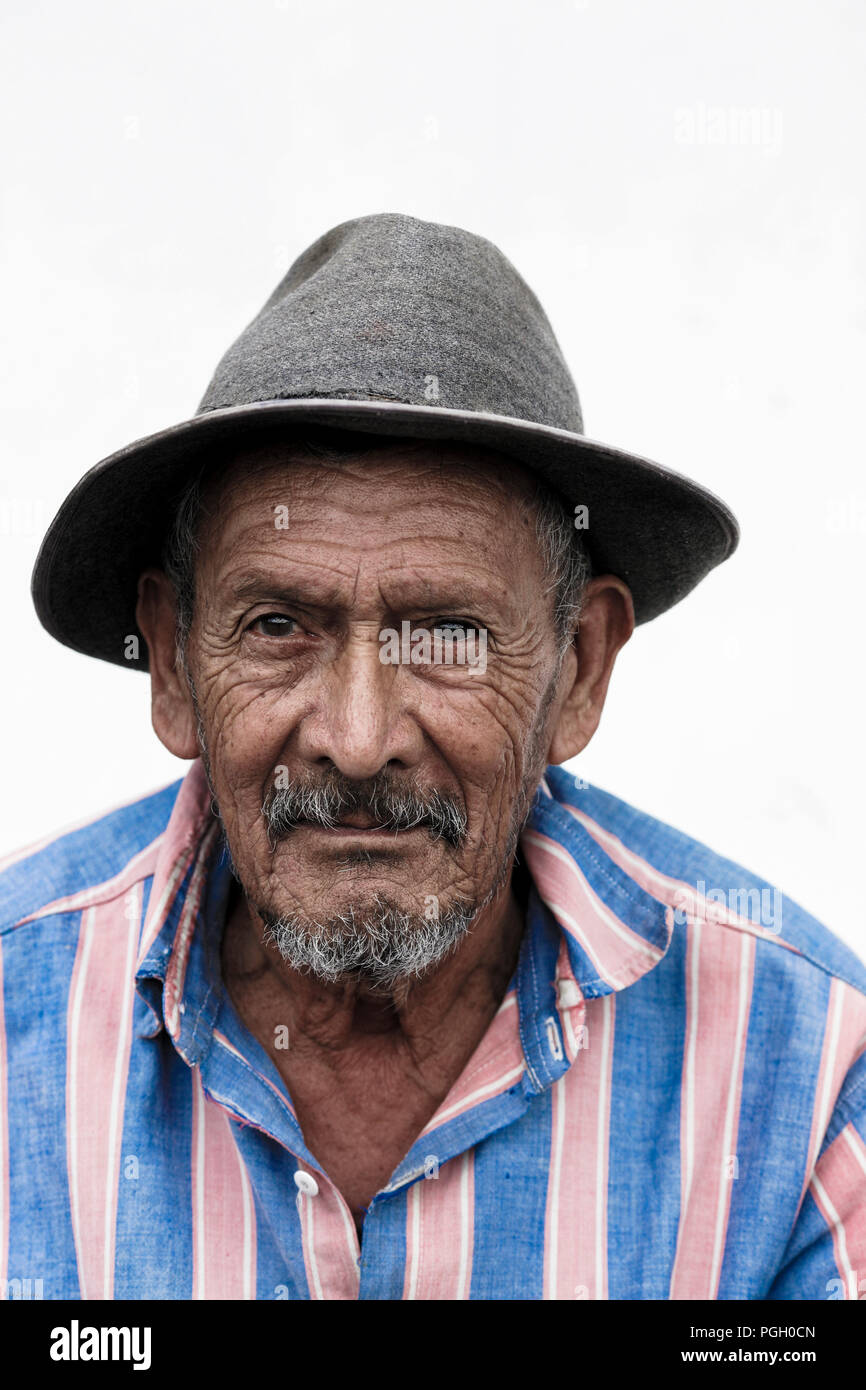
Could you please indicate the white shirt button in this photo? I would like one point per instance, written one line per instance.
(568, 992)
(305, 1182)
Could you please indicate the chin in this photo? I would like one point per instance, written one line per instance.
(360, 903)
(382, 952)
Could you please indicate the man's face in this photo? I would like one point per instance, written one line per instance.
(301, 568)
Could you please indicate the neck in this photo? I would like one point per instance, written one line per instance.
(455, 1001)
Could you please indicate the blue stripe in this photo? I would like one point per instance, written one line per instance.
(37, 970)
(154, 1208)
(383, 1249)
(783, 1057)
(280, 1270)
(644, 1159)
(801, 1275)
(511, 1178)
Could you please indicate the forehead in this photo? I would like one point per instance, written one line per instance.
(441, 494)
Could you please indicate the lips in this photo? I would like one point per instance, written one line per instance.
(357, 825)
(350, 828)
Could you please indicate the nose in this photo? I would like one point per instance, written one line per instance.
(361, 720)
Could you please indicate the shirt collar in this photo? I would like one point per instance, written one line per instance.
(177, 972)
(614, 930)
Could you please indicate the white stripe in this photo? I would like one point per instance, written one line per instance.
(847, 1271)
(72, 1098)
(570, 1036)
(508, 1002)
(739, 1046)
(473, 1096)
(415, 1230)
(349, 1231)
(307, 1200)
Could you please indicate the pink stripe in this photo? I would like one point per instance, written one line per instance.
(223, 1211)
(330, 1242)
(180, 843)
(4, 1139)
(440, 1229)
(575, 1247)
(673, 892)
(619, 954)
(99, 1037)
(496, 1064)
(844, 1028)
(720, 976)
(141, 866)
(839, 1188)
(176, 974)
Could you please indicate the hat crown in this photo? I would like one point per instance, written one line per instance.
(388, 307)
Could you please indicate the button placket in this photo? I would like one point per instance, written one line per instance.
(331, 1249)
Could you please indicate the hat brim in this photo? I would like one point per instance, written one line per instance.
(658, 531)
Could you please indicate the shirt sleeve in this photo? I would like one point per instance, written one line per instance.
(826, 1255)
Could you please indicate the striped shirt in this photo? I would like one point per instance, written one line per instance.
(670, 1102)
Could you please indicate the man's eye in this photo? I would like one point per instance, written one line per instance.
(274, 625)
(453, 629)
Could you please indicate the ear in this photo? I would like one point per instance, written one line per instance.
(606, 624)
(171, 708)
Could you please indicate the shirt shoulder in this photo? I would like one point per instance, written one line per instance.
(78, 860)
(684, 865)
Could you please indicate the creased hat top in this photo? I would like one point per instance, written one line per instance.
(388, 307)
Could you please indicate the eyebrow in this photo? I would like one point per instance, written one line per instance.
(255, 584)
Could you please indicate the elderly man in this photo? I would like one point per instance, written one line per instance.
(379, 1002)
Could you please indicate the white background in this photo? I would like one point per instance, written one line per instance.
(165, 162)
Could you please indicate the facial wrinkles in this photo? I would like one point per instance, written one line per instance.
(474, 728)
(505, 697)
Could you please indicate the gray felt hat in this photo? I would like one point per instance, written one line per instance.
(392, 326)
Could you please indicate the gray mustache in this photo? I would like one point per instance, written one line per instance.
(388, 805)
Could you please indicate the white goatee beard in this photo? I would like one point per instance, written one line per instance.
(380, 945)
